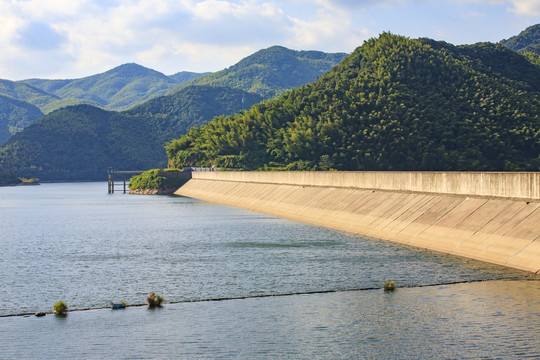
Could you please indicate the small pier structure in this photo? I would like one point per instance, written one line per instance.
(111, 173)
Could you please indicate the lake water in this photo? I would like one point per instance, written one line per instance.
(76, 243)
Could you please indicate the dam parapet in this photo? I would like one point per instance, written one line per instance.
(519, 185)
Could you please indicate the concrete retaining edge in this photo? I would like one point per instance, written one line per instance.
(492, 217)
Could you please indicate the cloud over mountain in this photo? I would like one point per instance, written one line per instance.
(68, 39)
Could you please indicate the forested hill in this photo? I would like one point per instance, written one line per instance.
(26, 92)
(270, 72)
(185, 76)
(191, 106)
(527, 41)
(8, 178)
(81, 142)
(115, 89)
(15, 115)
(394, 104)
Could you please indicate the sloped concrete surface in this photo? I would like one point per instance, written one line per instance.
(499, 229)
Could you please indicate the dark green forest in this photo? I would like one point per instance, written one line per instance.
(394, 104)
(15, 115)
(272, 71)
(8, 178)
(81, 142)
(527, 41)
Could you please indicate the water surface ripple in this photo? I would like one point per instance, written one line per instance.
(74, 242)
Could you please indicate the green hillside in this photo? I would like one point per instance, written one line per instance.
(27, 93)
(533, 58)
(62, 103)
(15, 115)
(131, 84)
(185, 76)
(8, 178)
(116, 89)
(394, 104)
(270, 72)
(191, 106)
(81, 142)
(49, 86)
(527, 41)
(120, 87)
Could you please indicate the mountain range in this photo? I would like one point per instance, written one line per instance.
(135, 137)
(116, 89)
(130, 84)
(80, 142)
(43, 149)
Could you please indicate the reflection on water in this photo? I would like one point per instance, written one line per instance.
(489, 320)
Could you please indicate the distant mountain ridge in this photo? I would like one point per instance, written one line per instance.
(26, 92)
(526, 41)
(15, 115)
(184, 76)
(270, 72)
(81, 142)
(115, 89)
(274, 70)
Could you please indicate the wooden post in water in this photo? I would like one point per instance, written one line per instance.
(110, 174)
(124, 183)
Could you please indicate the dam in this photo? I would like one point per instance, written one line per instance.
(487, 216)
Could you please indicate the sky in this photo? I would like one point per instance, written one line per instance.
(67, 39)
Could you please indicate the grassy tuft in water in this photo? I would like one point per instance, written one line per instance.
(60, 308)
(389, 285)
(154, 300)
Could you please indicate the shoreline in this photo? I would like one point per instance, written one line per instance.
(20, 184)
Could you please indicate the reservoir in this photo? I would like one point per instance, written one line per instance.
(295, 290)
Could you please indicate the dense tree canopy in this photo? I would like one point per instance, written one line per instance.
(15, 115)
(394, 104)
(270, 72)
(8, 178)
(81, 142)
(527, 41)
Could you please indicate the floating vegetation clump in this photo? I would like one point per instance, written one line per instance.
(389, 285)
(60, 308)
(154, 300)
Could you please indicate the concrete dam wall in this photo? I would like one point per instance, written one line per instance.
(492, 217)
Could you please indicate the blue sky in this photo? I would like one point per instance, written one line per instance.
(76, 38)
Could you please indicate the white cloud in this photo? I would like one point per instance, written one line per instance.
(72, 38)
(323, 31)
(519, 7)
(526, 7)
